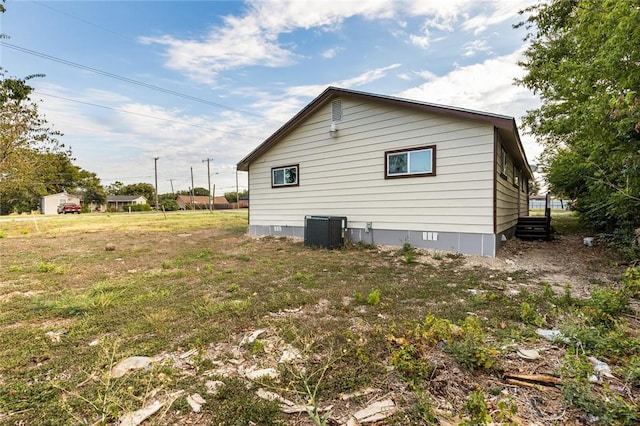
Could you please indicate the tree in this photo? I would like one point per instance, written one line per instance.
(145, 189)
(26, 141)
(232, 197)
(583, 61)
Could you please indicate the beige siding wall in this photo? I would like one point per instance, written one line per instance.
(345, 175)
(508, 194)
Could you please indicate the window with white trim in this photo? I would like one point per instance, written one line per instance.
(411, 162)
(284, 176)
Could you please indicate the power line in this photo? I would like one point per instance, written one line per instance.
(148, 116)
(84, 20)
(93, 24)
(125, 79)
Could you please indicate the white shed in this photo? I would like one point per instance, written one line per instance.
(399, 170)
(49, 203)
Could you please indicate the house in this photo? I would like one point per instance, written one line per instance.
(400, 171)
(120, 203)
(243, 202)
(49, 203)
(201, 202)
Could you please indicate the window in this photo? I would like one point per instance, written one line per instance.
(410, 162)
(284, 176)
(503, 162)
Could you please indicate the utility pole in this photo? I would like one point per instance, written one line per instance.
(208, 160)
(237, 196)
(193, 207)
(155, 164)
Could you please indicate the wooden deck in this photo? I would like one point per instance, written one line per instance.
(536, 227)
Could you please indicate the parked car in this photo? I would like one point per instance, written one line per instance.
(69, 208)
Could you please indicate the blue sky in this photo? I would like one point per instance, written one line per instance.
(187, 81)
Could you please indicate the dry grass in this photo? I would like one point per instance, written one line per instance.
(185, 289)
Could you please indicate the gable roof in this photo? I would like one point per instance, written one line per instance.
(124, 198)
(506, 125)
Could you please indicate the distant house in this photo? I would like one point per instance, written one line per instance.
(243, 202)
(49, 203)
(201, 202)
(400, 171)
(119, 203)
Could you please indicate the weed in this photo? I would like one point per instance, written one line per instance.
(15, 268)
(408, 252)
(408, 360)
(243, 257)
(529, 315)
(48, 267)
(374, 297)
(632, 372)
(472, 349)
(477, 409)
(437, 255)
(299, 276)
(631, 280)
(233, 288)
(608, 407)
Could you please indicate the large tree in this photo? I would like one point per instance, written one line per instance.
(583, 60)
(27, 142)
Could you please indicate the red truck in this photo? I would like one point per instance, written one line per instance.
(69, 208)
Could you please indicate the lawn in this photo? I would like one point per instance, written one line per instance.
(237, 330)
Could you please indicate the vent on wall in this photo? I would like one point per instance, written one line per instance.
(336, 110)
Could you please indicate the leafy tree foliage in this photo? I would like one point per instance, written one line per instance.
(27, 146)
(196, 191)
(145, 189)
(168, 202)
(583, 61)
(232, 197)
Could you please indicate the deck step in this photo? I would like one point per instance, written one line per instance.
(534, 227)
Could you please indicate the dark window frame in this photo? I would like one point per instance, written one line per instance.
(285, 185)
(504, 163)
(408, 174)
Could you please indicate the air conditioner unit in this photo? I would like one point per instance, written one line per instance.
(324, 231)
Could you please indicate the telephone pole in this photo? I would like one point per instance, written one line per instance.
(193, 207)
(208, 160)
(155, 166)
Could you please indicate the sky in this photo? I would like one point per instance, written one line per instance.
(194, 86)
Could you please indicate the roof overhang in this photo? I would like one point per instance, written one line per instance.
(506, 125)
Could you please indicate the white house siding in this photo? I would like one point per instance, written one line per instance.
(507, 196)
(49, 203)
(344, 176)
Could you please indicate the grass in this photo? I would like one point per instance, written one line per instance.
(194, 281)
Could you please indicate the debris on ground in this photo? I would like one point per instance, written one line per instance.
(196, 402)
(55, 336)
(137, 417)
(375, 412)
(130, 364)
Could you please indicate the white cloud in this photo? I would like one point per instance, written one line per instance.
(486, 86)
(254, 37)
(476, 46)
(504, 10)
(420, 41)
(330, 53)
